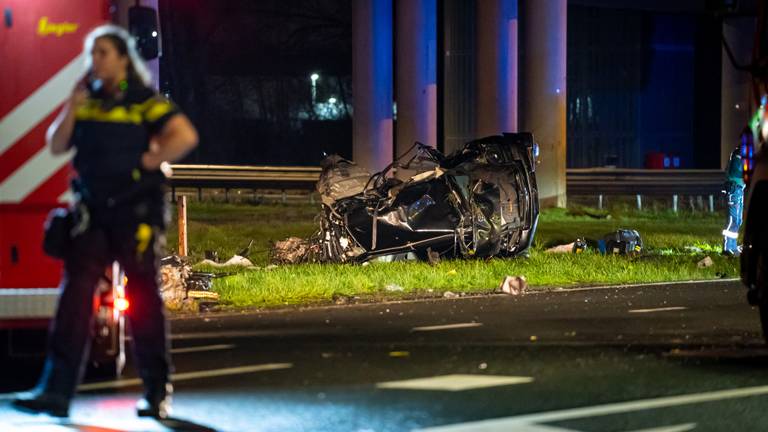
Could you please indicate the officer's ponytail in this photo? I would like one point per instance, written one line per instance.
(126, 46)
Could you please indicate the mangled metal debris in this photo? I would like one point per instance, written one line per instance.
(481, 201)
(619, 242)
(183, 289)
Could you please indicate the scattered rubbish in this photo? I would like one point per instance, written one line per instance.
(576, 247)
(579, 246)
(565, 248)
(394, 288)
(513, 285)
(483, 366)
(399, 354)
(534, 338)
(481, 201)
(183, 289)
(293, 250)
(247, 251)
(452, 272)
(211, 255)
(706, 262)
(342, 299)
(270, 267)
(621, 242)
(236, 260)
(449, 294)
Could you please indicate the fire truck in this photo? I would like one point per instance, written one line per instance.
(41, 58)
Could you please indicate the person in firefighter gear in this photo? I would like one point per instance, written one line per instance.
(123, 133)
(734, 190)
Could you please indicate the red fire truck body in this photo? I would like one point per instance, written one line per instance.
(41, 58)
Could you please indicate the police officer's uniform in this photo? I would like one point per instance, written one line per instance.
(126, 222)
(734, 189)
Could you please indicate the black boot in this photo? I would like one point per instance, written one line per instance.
(43, 403)
(156, 402)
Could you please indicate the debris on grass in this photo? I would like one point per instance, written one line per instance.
(394, 288)
(183, 289)
(450, 294)
(513, 285)
(564, 248)
(235, 261)
(706, 262)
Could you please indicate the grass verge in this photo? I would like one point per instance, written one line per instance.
(674, 245)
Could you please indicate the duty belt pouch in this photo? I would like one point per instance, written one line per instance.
(58, 232)
(62, 226)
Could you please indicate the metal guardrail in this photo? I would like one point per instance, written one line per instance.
(612, 181)
(581, 181)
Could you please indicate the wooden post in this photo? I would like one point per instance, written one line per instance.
(182, 206)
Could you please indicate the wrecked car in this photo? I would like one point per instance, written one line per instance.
(481, 201)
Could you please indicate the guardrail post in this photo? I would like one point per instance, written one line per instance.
(700, 202)
(674, 203)
(182, 222)
(600, 201)
(639, 202)
(284, 197)
(711, 203)
(200, 194)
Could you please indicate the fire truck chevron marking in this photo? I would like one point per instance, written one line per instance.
(31, 175)
(40, 104)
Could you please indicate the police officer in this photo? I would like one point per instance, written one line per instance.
(734, 189)
(123, 132)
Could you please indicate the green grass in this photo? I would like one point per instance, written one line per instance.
(228, 228)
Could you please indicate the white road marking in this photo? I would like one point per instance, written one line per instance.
(455, 382)
(508, 423)
(233, 334)
(664, 309)
(202, 348)
(677, 428)
(446, 327)
(640, 285)
(188, 376)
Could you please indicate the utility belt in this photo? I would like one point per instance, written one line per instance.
(63, 225)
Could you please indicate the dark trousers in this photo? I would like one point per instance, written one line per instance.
(735, 214)
(135, 242)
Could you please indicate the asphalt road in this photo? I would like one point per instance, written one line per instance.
(664, 358)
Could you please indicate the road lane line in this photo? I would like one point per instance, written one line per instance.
(664, 309)
(446, 327)
(453, 383)
(202, 348)
(188, 376)
(507, 423)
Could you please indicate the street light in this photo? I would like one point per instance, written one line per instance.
(314, 77)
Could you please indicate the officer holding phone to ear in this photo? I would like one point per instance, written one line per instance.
(123, 132)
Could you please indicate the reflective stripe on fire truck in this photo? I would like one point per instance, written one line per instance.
(22, 119)
(22, 303)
